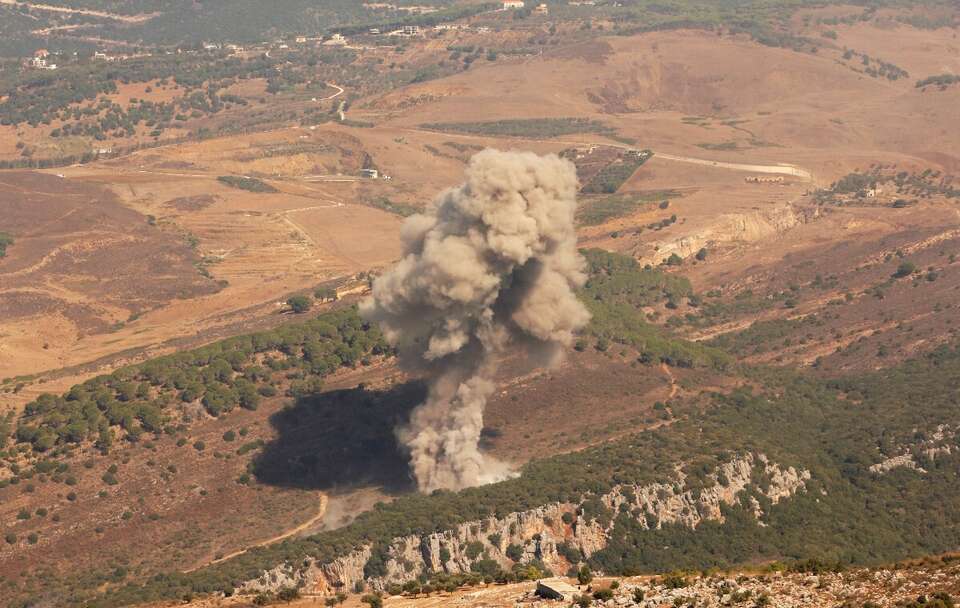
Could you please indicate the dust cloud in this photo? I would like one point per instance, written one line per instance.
(491, 264)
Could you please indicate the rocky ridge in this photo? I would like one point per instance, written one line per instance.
(546, 534)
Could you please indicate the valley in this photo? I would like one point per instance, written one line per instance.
(193, 411)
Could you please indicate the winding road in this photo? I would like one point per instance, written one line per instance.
(282, 536)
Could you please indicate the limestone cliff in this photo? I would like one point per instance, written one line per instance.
(541, 533)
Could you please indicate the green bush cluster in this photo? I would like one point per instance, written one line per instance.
(220, 377)
(253, 184)
(533, 128)
(615, 293)
(5, 241)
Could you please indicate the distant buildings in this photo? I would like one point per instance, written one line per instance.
(541, 9)
(512, 4)
(336, 40)
(406, 30)
(40, 60)
(413, 10)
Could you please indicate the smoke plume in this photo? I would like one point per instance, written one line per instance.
(492, 263)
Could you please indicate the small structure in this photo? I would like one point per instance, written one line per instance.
(40, 62)
(764, 179)
(336, 40)
(556, 589)
(541, 9)
(370, 173)
(512, 4)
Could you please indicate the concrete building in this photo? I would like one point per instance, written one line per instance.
(512, 4)
(336, 40)
(556, 589)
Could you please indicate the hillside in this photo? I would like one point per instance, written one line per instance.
(784, 467)
(197, 407)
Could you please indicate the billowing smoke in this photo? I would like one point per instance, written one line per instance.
(492, 264)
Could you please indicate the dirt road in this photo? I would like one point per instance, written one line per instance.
(783, 169)
(282, 536)
(79, 11)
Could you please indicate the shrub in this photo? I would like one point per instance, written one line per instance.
(299, 304)
(905, 269)
(584, 575)
(375, 601)
(5, 241)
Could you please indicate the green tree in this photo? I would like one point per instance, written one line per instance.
(5, 241)
(325, 294)
(584, 575)
(375, 601)
(299, 304)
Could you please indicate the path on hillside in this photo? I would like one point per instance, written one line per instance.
(282, 536)
(784, 169)
(81, 11)
(673, 381)
(335, 95)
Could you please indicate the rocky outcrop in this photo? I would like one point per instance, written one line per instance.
(549, 533)
(940, 442)
(735, 228)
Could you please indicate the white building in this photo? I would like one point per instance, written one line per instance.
(336, 40)
(512, 4)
